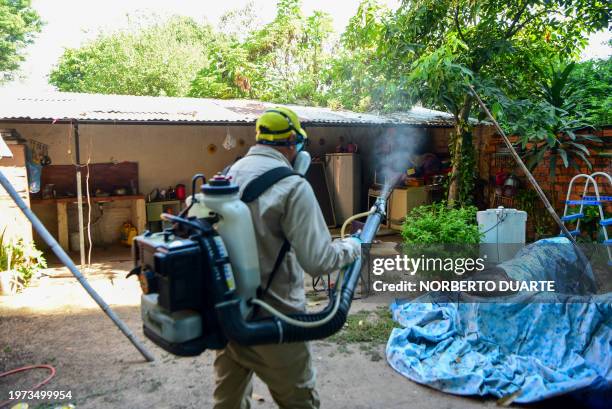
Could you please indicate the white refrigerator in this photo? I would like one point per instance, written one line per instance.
(343, 171)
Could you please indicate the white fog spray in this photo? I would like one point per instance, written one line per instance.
(395, 153)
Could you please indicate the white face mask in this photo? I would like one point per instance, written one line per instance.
(301, 163)
(299, 146)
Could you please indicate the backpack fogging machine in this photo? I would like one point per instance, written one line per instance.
(200, 278)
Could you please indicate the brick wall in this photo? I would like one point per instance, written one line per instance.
(492, 160)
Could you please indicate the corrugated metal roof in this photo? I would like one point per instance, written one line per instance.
(128, 108)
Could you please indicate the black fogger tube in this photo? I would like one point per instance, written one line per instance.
(275, 331)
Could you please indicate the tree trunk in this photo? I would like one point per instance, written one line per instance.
(457, 147)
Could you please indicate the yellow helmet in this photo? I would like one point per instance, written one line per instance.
(275, 126)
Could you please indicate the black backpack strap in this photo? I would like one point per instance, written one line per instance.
(279, 259)
(263, 182)
(251, 192)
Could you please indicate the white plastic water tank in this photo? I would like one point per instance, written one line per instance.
(235, 226)
(503, 232)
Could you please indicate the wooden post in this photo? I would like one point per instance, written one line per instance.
(62, 224)
(139, 217)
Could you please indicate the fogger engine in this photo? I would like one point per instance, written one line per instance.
(180, 279)
(186, 270)
(200, 279)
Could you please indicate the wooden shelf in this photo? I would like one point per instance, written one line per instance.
(94, 199)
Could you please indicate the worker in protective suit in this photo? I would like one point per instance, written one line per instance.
(292, 238)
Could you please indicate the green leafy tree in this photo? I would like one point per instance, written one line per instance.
(547, 121)
(280, 61)
(19, 22)
(355, 78)
(240, 23)
(435, 49)
(158, 59)
(592, 81)
(554, 119)
(229, 72)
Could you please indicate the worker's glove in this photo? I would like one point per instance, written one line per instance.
(355, 238)
(352, 245)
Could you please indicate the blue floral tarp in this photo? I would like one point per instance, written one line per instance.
(530, 349)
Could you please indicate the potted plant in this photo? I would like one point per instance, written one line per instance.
(19, 261)
(7, 275)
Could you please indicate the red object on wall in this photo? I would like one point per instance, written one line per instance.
(500, 178)
(180, 192)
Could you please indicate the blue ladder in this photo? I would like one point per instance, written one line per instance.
(589, 200)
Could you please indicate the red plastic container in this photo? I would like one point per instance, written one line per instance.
(180, 192)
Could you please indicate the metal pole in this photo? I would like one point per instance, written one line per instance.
(79, 192)
(64, 258)
(525, 170)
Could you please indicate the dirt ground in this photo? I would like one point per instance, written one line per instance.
(55, 322)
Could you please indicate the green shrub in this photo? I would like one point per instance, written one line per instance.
(22, 257)
(437, 223)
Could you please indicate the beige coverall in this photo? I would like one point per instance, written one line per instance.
(288, 209)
